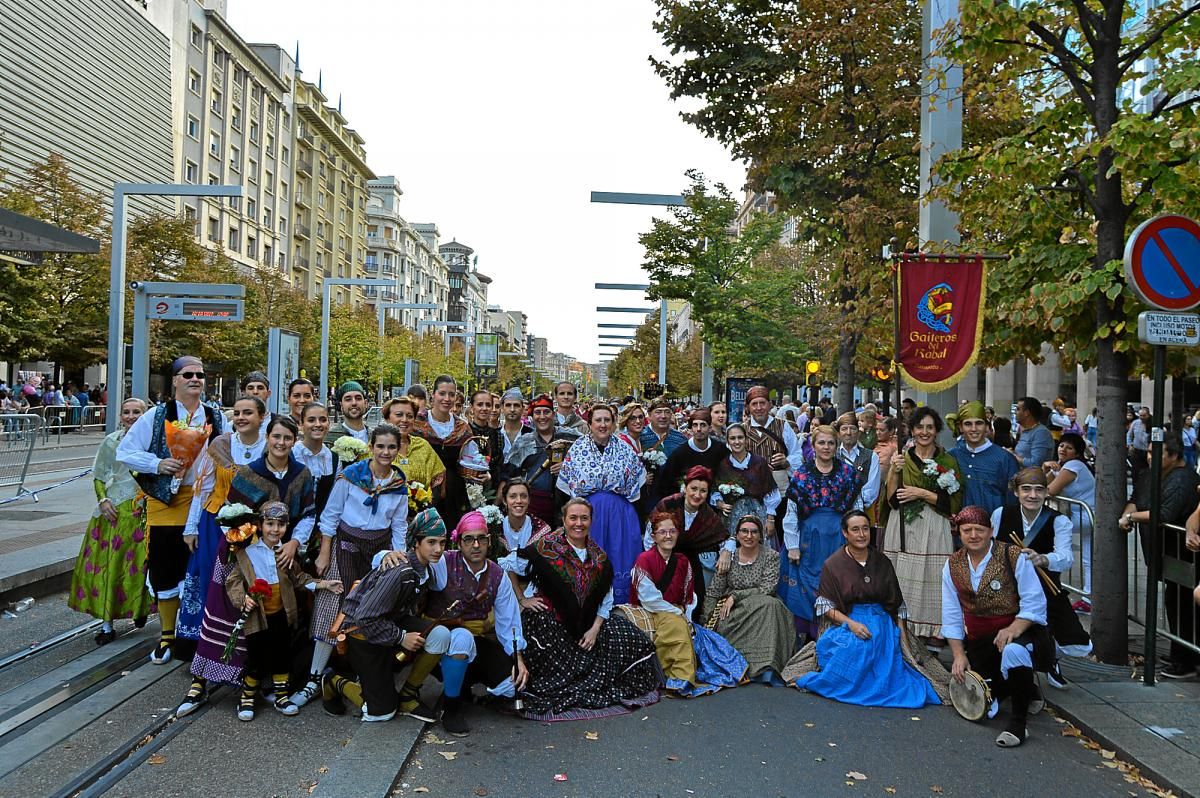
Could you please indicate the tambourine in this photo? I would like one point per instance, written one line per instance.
(972, 698)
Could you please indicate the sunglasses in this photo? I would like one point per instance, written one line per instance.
(637, 418)
(191, 375)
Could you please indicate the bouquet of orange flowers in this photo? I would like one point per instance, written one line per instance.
(239, 523)
(185, 443)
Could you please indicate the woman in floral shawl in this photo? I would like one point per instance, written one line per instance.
(820, 491)
(584, 660)
(923, 491)
(610, 475)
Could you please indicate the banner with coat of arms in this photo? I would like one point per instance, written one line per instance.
(940, 317)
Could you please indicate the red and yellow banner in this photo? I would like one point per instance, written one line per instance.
(940, 318)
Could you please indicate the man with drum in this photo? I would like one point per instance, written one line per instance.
(994, 617)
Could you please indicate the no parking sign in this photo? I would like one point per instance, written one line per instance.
(1162, 262)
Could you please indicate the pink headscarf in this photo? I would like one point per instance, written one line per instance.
(469, 521)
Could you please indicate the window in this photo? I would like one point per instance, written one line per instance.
(193, 128)
(251, 208)
(283, 227)
(213, 180)
(267, 254)
(214, 144)
(214, 229)
(285, 156)
(235, 239)
(218, 58)
(235, 118)
(270, 180)
(270, 144)
(197, 37)
(189, 213)
(216, 101)
(239, 75)
(283, 190)
(254, 132)
(253, 170)
(267, 219)
(286, 121)
(193, 81)
(190, 171)
(235, 158)
(342, 215)
(251, 247)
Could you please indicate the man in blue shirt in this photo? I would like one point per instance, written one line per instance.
(986, 468)
(1035, 444)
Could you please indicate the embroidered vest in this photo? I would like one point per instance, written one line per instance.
(476, 600)
(997, 601)
(762, 444)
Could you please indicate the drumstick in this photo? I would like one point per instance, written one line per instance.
(1053, 588)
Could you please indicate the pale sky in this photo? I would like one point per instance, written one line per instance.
(499, 118)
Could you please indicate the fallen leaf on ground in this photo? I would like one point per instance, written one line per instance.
(322, 769)
(935, 788)
(915, 717)
(591, 735)
(833, 745)
(851, 783)
(854, 774)
(672, 758)
(1108, 754)
(433, 739)
(420, 789)
(809, 725)
(480, 791)
(448, 754)
(890, 790)
(157, 759)
(820, 759)
(1070, 731)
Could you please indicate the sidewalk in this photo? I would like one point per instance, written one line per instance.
(1155, 728)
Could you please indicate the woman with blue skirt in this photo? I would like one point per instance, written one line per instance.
(820, 491)
(609, 474)
(859, 654)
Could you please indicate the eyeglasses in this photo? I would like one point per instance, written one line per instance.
(473, 540)
(638, 417)
(668, 532)
(192, 375)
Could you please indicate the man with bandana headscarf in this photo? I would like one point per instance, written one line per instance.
(986, 468)
(354, 405)
(145, 451)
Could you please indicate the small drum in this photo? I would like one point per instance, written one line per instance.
(972, 698)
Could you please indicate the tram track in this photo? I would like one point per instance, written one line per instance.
(44, 646)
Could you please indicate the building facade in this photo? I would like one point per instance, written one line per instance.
(467, 297)
(108, 114)
(329, 199)
(396, 251)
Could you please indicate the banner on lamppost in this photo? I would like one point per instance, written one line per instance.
(940, 317)
(487, 349)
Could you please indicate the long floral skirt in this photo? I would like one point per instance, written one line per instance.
(566, 682)
(109, 581)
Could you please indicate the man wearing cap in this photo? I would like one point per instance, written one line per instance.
(537, 457)
(512, 406)
(354, 404)
(167, 482)
(986, 468)
(659, 434)
(771, 438)
(383, 612)
(699, 450)
(861, 459)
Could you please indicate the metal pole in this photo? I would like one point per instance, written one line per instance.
(324, 343)
(662, 341)
(379, 311)
(1154, 561)
(140, 386)
(116, 314)
(706, 375)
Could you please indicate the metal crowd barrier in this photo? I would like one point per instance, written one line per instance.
(19, 436)
(1176, 614)
(1078, 579)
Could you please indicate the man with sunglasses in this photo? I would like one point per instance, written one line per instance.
(167, 482)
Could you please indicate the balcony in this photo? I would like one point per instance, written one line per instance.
(299, 262)
(301, 200)
(301, 230)
(327, 244)
(304, 166)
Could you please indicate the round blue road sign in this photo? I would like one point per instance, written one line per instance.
(1162, 262)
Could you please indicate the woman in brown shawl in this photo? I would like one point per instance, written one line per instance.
(750, 473)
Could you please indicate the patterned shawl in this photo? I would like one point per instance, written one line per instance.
(756, 478)
(587, 470)
(810, 489)
(458, 436)
(574, 588)
(359, 475)
(255, 484)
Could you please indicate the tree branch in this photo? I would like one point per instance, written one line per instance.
(1154, 37)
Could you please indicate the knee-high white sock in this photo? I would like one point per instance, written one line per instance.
(320, 658)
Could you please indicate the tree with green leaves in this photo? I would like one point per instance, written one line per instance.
(1105, 135)
(742, 309)
(821, 98)
(638, 363)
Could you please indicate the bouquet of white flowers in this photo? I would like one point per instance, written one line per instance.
(350, 449)
(943, 476)
(491, 513)
(654, 458)
(730, 493)
(475, 495)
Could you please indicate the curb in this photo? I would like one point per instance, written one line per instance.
(1105, 740)
(366, 766)
(44, 580)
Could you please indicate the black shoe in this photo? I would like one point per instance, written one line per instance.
(419, 710)
(103, 638)
(454, 718)
(331, 700)
(1178, 670)
(1056, 678)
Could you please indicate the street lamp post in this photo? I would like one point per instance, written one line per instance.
(116, 280)
(380, 312)
(328, 282)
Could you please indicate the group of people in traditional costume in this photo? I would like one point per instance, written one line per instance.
(622, 558)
